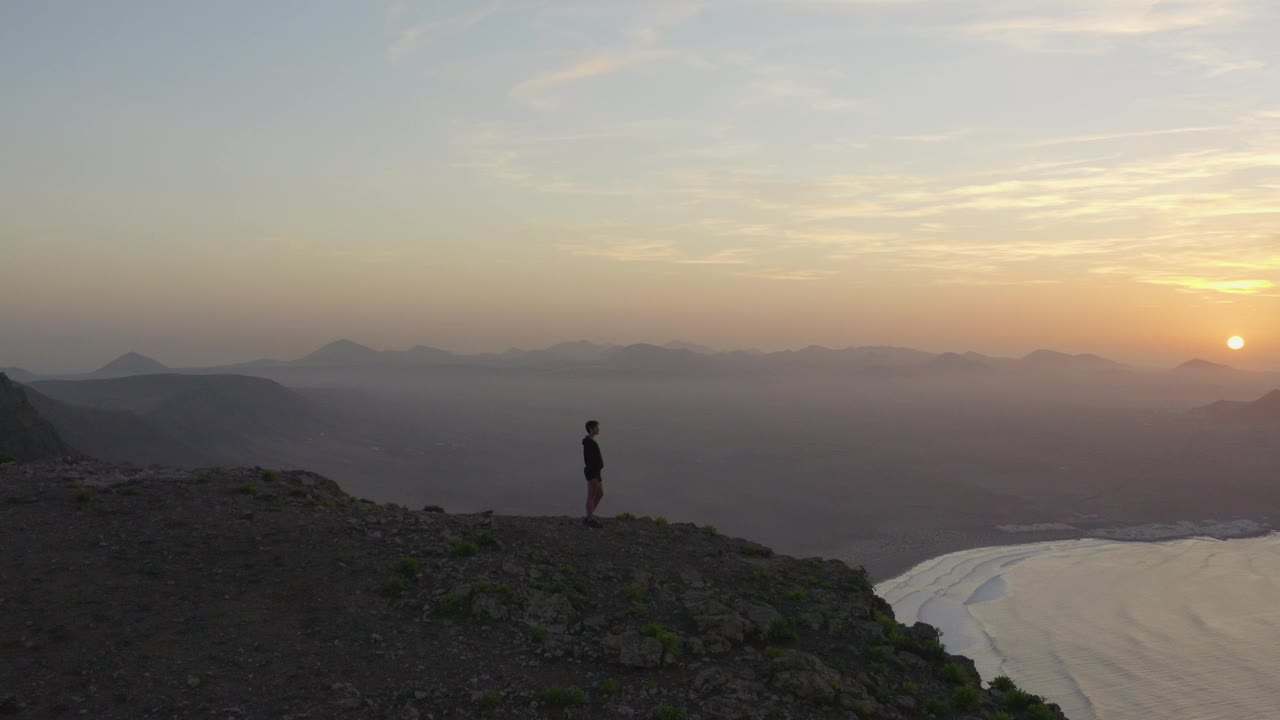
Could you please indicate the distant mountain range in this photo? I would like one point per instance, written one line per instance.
(674, 357)
(1265, 409)
(172, 419)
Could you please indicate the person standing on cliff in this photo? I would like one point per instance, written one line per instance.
(594, 466)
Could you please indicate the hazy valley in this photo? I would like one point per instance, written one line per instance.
(888, 455)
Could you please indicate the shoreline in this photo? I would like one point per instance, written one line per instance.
(888, 556)
(1018, 610)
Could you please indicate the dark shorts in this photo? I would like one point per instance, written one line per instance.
(592, 474)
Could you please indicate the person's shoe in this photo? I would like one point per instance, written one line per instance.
(586, 521)
(592, 522)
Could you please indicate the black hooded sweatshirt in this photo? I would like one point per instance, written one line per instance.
(591, 456)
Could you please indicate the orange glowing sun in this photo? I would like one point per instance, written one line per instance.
(1235, 342)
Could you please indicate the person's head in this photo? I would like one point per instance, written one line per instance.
(593, 427)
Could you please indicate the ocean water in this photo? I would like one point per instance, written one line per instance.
(1183, 629)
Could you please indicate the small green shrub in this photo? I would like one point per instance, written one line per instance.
(432, 509)
(460, 548)
(1003, 683)
(610, 686)
(753, 550)
(660, 521)
(878, 652)
(775, 652)
(784, 630)
(760, 576)
(864, 708)
(248, 489)
(1039, 712)
(450, 604)
(638, 611)
(568, 569)
(539, 634)
(484, 586)
(966, 698)
(637, 593)
(560, 696)
(669, 712)
(1020, 699)
(711, 530)
(204, 479)
(408, 566)
(934, 706)
(954, 673)
(795, 595)
(670, 641)
(1002, 715)
(270, 476)
(487, 539)
(490, 699)
(131, 490)
(7, 459)
(626, 516)
(910, 688)
(395, 586)
(297, 492)
(82, 497)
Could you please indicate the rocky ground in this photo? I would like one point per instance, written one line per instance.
(246, 593)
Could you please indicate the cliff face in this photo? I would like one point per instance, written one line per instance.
(252, 594)
(24, 435)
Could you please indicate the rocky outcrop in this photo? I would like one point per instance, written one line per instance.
(246, 593)
(24, 435)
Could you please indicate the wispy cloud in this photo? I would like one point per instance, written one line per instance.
(640, 29)
(410, 39)
(1082, 26)
(536, 90)
(1106, 137)
(787, 275)
(655, 251)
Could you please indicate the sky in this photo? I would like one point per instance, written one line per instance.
(215, 182)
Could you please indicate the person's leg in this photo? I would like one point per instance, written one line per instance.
(599, 496)
(594, 493)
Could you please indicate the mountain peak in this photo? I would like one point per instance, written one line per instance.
(132, 363)
(1200, 365)
(341, 352)
(1054, 359)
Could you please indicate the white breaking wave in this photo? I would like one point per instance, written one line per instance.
(1186, 629)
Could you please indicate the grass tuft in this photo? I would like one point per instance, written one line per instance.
(408, 566)
(670, 641)
(784, 630)
(966, 698)
(560, 696)
(490, 699)
(460, 548)
(395, 586)
(450, 604)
